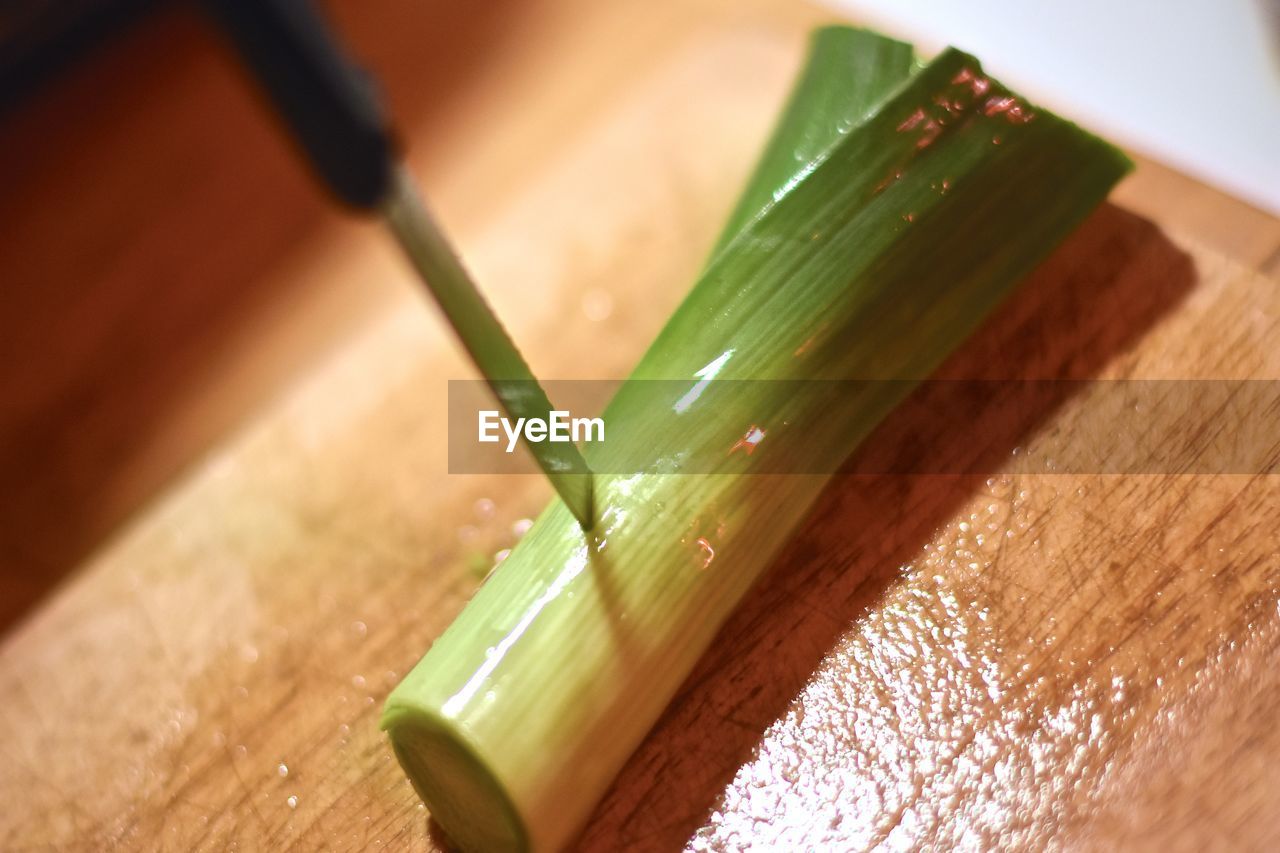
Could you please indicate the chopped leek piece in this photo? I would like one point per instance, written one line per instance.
(883, 253)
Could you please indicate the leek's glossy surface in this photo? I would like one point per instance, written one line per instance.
(847, 73)
(874, 260)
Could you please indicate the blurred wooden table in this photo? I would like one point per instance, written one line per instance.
(211, 676)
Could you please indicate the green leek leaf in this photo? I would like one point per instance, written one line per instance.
(848, 72)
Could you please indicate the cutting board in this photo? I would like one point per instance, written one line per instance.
(997, 658)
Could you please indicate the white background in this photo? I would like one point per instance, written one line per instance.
(1193, 83)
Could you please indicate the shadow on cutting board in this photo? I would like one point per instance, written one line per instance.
(1080, 310)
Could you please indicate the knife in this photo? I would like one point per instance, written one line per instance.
(331, 108)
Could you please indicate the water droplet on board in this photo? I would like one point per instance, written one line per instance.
(597, 305)
(359, 628)
(292, 801)
(357, 681)
(283, 770)
(484, 508)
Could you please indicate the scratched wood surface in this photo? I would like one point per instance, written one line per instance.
(1096, 669)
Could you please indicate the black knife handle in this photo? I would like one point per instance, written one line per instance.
(328, 102)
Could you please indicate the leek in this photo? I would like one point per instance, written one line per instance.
(847, 73)
(873, 260)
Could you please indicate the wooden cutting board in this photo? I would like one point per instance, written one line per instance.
(1096, 668)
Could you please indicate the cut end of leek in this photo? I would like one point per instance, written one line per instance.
(463, 793)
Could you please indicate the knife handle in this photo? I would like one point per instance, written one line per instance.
(328, 103)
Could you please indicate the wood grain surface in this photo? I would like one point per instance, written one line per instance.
(1003, 658)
